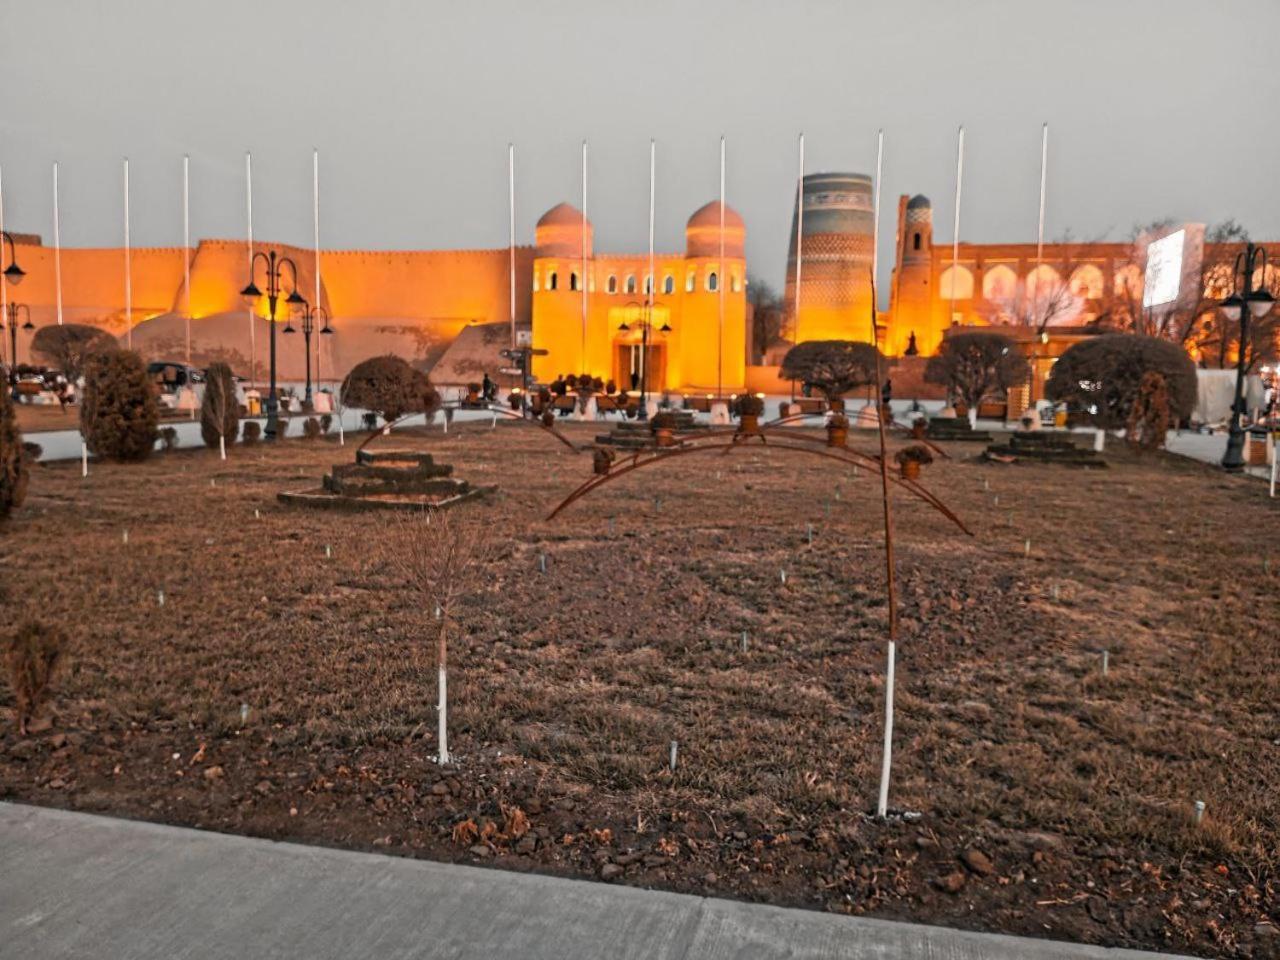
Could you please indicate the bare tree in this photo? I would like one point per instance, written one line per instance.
(1038, 303)
(69, 346)
(443, 559)
(768, 316)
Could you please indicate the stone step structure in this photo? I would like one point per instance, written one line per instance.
(955, 428)
(1044, 446)
(637, 434)
(388, 479)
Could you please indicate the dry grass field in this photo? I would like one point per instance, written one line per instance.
(283, 693)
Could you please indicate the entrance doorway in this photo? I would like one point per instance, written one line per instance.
(628, 364)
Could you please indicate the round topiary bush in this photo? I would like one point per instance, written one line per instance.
(119, 413)
(389, 387)
(219, 410)
(13, 459)
(1101, 378)
(252, 432)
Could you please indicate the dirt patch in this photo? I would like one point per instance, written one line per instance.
(284, 693)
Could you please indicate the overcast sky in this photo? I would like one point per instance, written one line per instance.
(1156, 108)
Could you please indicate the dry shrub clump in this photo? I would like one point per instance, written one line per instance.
(32, 659)
(443, 559)
(219, 410)
(13, 459)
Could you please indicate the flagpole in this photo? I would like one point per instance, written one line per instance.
(511, 234)
(582, 273)
(4, 297)
(799, 238)
(315, 231)
(721, 285)
(128, 265)
(57, 245)
(1044, 175)
(646, 330)
(955, 231)
(891, 653)
(186, 247)
(253, 335)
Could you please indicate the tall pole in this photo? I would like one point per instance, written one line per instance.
(4, 294)
(795, 333)
(875, 221)
(186, 248)
(128, 265)
(721, 285)
(57, 245)
(648, 318)
(315, 235)
(253, 335)
(582, 271)
(1233, 459)
(955, 229)
(1040, 228)
(511, 234)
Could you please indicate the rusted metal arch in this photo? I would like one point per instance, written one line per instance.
(639, 460)
(512, 415)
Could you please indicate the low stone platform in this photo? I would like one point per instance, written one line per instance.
(388, 480)
(955, 428)
(1043, 446)
(637, 434)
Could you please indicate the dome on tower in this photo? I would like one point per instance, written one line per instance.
(918, 202)
(559, 232)
(702, 233)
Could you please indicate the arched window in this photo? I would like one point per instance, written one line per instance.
(551, 280)
(1043, 281)
(535, 281)
(1128, 281)
(999, 284)
(962, 279)
(573, 281)
(690, 282)
(915, 241)
(735, 283)
(648, 283)
(668, 284)
(713, 281)
(1086, 282)
(631, 283)
(611, 284)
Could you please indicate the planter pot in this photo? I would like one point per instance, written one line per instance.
(665, 437)
(749, 423)
(910, 470)
(601, 466)
(837, 436)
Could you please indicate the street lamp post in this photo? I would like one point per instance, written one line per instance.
(12, 310)
(646, 323)
(275, 265)
(307, 316)
(1248, 304)
(13, 273)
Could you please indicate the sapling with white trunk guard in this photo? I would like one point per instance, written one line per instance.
(443, 559)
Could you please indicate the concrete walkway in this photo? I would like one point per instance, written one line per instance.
(79, 886)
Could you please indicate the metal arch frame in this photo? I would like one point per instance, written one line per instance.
(839, 454)
(497, 410)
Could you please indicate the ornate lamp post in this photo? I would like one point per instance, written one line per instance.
(646, 324)
(13, 274)
(274, 264)
(307, 316)
(11, 318)
(1248, 304)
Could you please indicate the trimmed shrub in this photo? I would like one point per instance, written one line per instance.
(169, 437)
(13, 458)
(326, 423)
(389, 387)
(749, 405)
(70, 346)
(1101, 378)
(252, 432)
(977, 365)
(32, 659)
(119, 413)
(832, 366)
(219, 410)
(311, 429)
